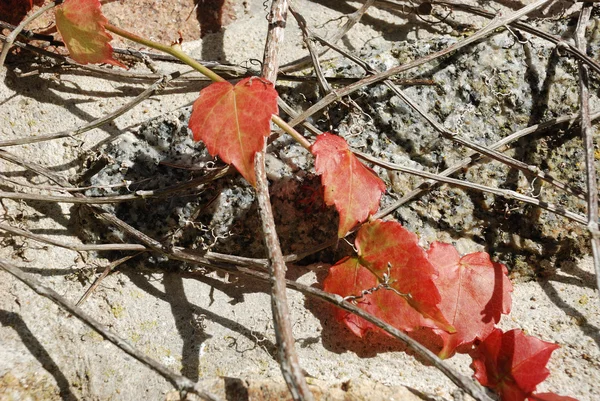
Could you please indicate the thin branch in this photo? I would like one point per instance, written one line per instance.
(107, 270)
(506, 193)
(184, 255)
(73, 247)
(588, 139)
(57, 178)
(137, 195)
(473, 156)
(557, 40)
(13, 35)
(288, 358)
(529, 169)
(308, 40)
(370, 80)
(151, 90)
(492, 154)
(15, 183)
(353, 19)
(182, 383)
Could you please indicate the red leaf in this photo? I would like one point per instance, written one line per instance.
(14, 11)
(511, 363)
(549, 397)
(81, 25)
(475, 292)
(349, 278)
(233, 121)
(353, 188)
(389, 257)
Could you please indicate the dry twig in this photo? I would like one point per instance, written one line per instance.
(588, 140)
(183, 384)
(288, 358)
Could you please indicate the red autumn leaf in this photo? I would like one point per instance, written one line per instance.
(549, 397)
(349, 278)
(475, 292)
(233, 121)
(511, 363)
(81, 25)
(390, 260)
(14, 11)
(353, 188)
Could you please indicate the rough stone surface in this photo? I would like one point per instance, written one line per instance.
(211, 326)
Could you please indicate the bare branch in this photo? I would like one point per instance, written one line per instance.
(588, 139)
(506, 193)
(288, 358)
(73, 247)
(370, 80)
(151, 90)
(182, 383)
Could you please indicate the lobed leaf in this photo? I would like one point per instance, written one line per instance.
(349, 278)
(512, 363)
(233, 121)
(350, 186)
(389, 259)
(475, 292)
(81, 25)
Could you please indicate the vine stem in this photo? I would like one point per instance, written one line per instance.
(588, 140)
(182, 56)
(172, 50)
(288, 358)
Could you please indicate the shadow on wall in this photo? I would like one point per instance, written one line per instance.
(13, 320)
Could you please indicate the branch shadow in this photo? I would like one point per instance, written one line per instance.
(184, 313)
(586, 328)
(13, 320)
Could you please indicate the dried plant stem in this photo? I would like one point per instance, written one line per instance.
(370, 80)
(353, 19)
(314, 57)
(8, 42)
(557, 40)
(137, 195)
(182, 383)
(506, 193)
(151, 90)
(473, 156)
(73, 247)
(470, 386)
(112, 266)
(492, 154)
(287, 356)
(588, 140)
(529, 169)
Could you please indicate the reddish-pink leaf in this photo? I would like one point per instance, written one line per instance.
(13, 11)
(549, 397)
(349, 278)
(475, 292)
(81, 25)
(233, 121)
(388, 249)
(511, 363)
(389, 258)
(353, 188)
